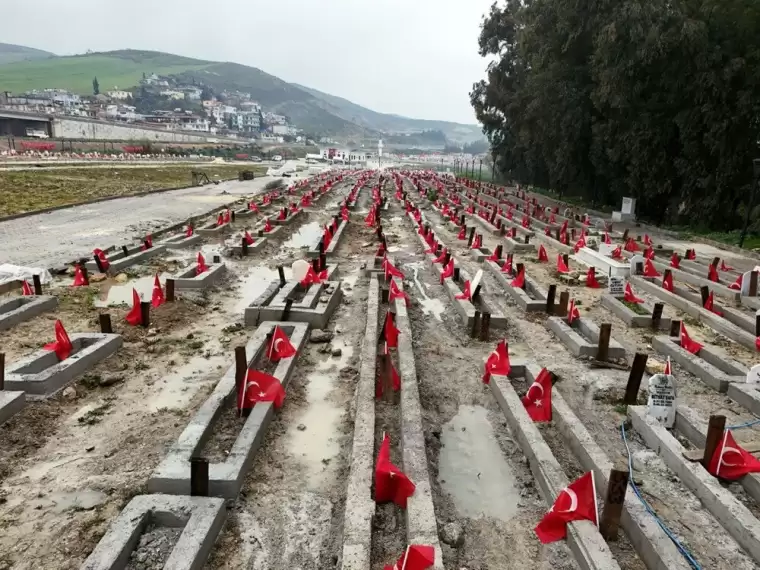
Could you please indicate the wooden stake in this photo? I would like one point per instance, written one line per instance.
(657, 315)
(603, 349)
(675, 328)
(475, 325)
(125, 250)
(286, 310)
(704, 291)
(169, 286)
(715, 428)
(145, 314)
(2, 371)
(105, 323)
(198, 477)
(613, 504)
(37, 284)
(85, 274)
(566, 259)
(241, 366)
(244, 247)
(634, 378)
(550, 297)
(281, 272)
(564, 300)
(753, 284)
(485, 325)
(472, 236)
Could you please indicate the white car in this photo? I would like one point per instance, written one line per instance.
(277, 158)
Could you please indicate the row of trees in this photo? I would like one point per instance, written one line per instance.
(600, 99)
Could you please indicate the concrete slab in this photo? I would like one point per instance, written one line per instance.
(334, 243)
(583, 538)
(189, 280)
(720, 289)
(41, 375)
(604, 264)
(212, 229)
(360, 507)
(721, 503)
(694, 428)
(135, 258)
(19, 309)
(582, 338)
(710, 364)
(421, 527)
(11, 403)
(532, 299)
(180, 241)
(625, 314)
(172, 476)
(201, 519)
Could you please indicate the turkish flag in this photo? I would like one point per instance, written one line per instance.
(101, 255)
(448, 270)
(737, 285)
(395, 379)
(629, 296)
(576, 502)
(157, 298)
(668, 368)
(712, 274)
(227, 216)
(248, 239)
(494, 256)
(506, 267)
(497, 362)
(390, 482)
(724, 267)
(79, 280)
(519, 281)
(466, 294)
(538, 398)
(691, 254)
(572, 312)
(260, 387)
(416, 557)
(147, 243)
(548, 231)
(667, 282)
(253, 207)
(462, 233)
(311, 278)
(344, 214)
(617, 253)
(561, 266)
(391, 270)
(687, 343)
(62, 345)
(279, 346)
(710, 304)
(389, 332)
(647, 241)
(477, 243)
(543, 257)
(267, 226)
(134, 316)
(26, 290)
(607, 239)
(591, 279)
(397, 293)
(563, 229)
(649, 269)
(200, 264)
(649, 253)
(675, 263)
(579, 244)
(730, 461)
(441, 257)
(189, 231)
(220, 220)
(631, 245)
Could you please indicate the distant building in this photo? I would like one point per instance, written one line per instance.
(192, 93)
(119, 95)
(266, 137)
(283, 130)
(172, 94)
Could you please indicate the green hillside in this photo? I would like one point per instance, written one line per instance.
(10, 53)
(117, 68)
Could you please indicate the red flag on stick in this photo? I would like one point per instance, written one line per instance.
(724, 267)
(279, 346)
(667, 282)
(649, 269)
(416, 557)
(591, 279)
(134, 316)
(687, 343)
(538, 398)
(189, 231)
(390, 332)
(572, 312)
(101, 255)
(519, 280)
(737, 285)
(62, 345)
(710, 304)
(712, 274)
(200, 264)
(260, 387)
(561, 265)
(675, 262)
(448, 270)
(576, 502)
(158, 297)
(465, 294)
(397, 293)
(391, 484)
(79, 280)
(617, 253)
(629, 296)
(730, 461)
(497, 362)
(26, 289)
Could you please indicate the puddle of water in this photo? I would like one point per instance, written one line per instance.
(317, 442)
(254, 283)
(307, 236)
(122, 294)
(175, 390)
(347, 351)
(429, 305)
(473, 469)
(85, 499)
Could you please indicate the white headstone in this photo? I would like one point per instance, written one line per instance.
(753, 376)
(629, 206)
(662, 399)
(634, 260)
(300, 268)
(606, 248)
(745, 283)
(616, 286)
(476, 281)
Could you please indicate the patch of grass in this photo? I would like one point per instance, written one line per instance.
(30, 190)
(95, 415)
(621, 408)
(635, 307)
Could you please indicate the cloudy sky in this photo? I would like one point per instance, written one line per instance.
(411, 57)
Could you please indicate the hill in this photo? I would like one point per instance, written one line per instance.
(311, 110)
(10, 53)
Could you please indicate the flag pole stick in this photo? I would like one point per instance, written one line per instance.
(406, 555)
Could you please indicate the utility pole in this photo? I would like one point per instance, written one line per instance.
(752, 192)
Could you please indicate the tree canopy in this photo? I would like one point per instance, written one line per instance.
(654, 99)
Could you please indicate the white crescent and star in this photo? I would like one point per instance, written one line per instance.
(277, 344)
(537, 385)
(573, 501)
(725, 463)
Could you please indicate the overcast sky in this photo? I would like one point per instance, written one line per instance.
(411, 57)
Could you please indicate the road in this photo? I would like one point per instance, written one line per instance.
(47, 240)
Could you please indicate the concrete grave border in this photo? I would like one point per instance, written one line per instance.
(535, 304)
(11, 403)
(121, 262)
(188, 280)
(181, 240)
(172, 476)
(731, 513)
(314, 250)
(211, 229)
(578, 344)
(583, 538)
(201, 519)
(421, 526)
(19, 309)
(258, 244)
(630, 318)
(287, 221)
(604, 264)
(47, 375)
(359, 506)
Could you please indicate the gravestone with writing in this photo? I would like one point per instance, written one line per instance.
(616, 286)
(661, 404)
(753, 376)
(628, 206)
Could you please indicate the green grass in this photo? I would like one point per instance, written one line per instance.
(635, 307)
(752, 241)
(75, 73)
